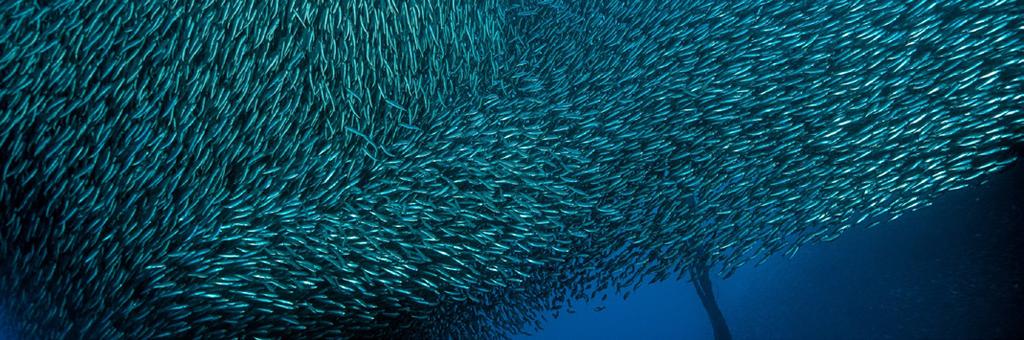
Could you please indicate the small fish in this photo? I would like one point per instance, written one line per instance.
(439, 169)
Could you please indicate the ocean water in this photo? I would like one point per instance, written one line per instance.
(471, 169)
(948, 271)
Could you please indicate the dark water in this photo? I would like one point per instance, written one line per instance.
(948, 271)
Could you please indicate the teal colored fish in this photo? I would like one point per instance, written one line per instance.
(438, 169)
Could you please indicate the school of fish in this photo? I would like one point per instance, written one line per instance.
(462, 169)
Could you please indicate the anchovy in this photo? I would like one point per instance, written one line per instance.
(461, 169)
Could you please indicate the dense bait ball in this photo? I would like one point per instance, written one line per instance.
(461, 168)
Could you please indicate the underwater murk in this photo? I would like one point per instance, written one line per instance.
(476, 169)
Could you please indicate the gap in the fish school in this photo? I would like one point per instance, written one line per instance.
(949, 270)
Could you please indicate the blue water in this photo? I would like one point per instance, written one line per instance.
(947, 271)
(6, 328)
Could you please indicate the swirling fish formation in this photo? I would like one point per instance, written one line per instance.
(462, 169)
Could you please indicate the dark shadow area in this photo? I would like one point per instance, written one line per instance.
(951, 270)
(705, 290)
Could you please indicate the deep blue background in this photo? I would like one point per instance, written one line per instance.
(950, 270)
